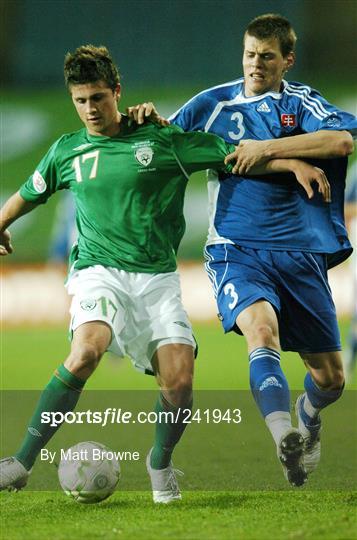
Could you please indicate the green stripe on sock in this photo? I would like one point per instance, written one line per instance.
(68, 378)
(60, 395)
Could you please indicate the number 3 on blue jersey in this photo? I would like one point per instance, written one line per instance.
(229, 289)
(237, 117)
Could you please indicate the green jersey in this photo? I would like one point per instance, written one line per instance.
(128, 190)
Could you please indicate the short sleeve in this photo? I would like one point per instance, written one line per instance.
(191, 116)
(317, 113)
(197, 151)
(44, 181)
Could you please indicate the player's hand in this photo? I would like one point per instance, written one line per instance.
(146, 111)
(5, 243)
(248, 153)
(307, 175)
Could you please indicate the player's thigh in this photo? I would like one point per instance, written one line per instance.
(241, 279)
(95, 333)
(308, 321)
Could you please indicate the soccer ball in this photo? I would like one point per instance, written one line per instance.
(88, 472)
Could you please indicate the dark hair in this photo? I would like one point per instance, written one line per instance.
(90, 64)
(273, 25)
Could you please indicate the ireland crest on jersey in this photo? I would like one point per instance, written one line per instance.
(38, 182)
(144, 155)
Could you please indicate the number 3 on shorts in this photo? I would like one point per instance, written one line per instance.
(229, 289)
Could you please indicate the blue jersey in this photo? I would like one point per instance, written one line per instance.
(271, 213)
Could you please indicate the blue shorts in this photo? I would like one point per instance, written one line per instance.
(293, 282)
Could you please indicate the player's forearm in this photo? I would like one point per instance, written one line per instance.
(305, 174)
(274, 166)
(14, 208)
(322, 144)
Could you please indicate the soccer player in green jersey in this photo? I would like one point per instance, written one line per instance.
(128, 182)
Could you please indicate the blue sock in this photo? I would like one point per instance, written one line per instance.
(318, 398)
(267, 381)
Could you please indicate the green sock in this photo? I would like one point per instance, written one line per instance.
(167, 433)
(60, 395)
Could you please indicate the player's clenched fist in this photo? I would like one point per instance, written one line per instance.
(248, 154)
(5, 243)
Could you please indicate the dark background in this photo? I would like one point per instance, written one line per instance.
(167, 51)
(170, 42)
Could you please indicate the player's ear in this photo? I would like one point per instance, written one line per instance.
(290, 60)
(117, 92)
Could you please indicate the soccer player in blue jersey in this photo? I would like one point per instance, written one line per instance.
(269, 246)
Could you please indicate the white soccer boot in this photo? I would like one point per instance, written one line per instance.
(290, 453)
(311, 434)
(165, 488)
(13, 475)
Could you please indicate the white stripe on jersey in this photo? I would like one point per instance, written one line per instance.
(231, 83)
(213, 186)
(238, 99)
(307, 91)
(308, 102)
(305, 104)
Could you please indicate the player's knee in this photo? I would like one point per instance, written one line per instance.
(85, 355)
(333, 380)
(264, 335)
(178, 391)
(182, 385)
(330, 378)
(339, 379)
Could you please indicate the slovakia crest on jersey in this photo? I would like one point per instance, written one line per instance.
(288, 120)
(144, 155)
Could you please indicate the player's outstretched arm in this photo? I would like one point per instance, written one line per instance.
(324, 144)
(305, 174)
(146, 111)
(14, 208)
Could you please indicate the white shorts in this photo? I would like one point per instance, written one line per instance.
(144, 311)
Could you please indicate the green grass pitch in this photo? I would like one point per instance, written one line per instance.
(28, 356)
(222, 516)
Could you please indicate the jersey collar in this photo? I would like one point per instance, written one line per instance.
(124, 128)
(274, 95)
